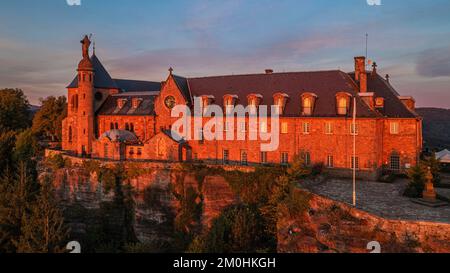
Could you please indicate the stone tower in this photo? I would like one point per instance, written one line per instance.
(85, 112)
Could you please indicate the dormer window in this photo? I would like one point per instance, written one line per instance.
(207, 100)
(343, 103)
(136, 102)
(308, 103)
(121, 103)
(254, 100)
(379, 102)
(229, 102)
(280, 100)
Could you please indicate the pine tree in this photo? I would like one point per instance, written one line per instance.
(43, 230)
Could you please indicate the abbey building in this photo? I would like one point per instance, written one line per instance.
(118, 119)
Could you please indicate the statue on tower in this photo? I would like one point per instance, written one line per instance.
(86, 43)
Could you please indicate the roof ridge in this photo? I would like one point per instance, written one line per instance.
(262, 74)
(116, 79)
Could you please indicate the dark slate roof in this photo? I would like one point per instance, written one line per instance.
(325, 84)
(102, 79)
(393, 107)
(137, 86)
(183, 85)
(146, 107)
(121, 136)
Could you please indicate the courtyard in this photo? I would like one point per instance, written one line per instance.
(381, 199)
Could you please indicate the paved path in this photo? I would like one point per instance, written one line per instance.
(380, 199)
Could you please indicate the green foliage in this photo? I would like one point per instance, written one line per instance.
(7, 144)
(30, 220)
(43, 229)
(56, 162)
(255, 187)
(92, 166)
(14, 110)
(417, 182)
(47, 123)
(296, 203)
(298, 169)
(16, 191)
(236, 230)
(26, 146)
(134, 170)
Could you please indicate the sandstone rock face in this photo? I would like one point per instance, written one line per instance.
(155, 206)
(331, 226)
(217, 196)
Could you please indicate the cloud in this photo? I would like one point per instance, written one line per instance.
(434, 63)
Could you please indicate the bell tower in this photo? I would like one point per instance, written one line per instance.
(85, 113)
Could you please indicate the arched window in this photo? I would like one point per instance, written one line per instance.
(74, 102)
(116, 125)
(70, 134)
(131, 127)
(280, 100)
(254, 100)
(307, 106)
(308, 102)
(111, 126)
(343, 103)
(229, 102)
(127, 127)
(342, 106)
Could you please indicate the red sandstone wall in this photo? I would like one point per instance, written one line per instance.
(408, 143)
(330, 226)
(144, 126)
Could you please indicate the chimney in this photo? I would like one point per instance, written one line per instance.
(269, 71)
(363, 82)
(360, 66)
(387, 77)
(409, 102)
(360, 73)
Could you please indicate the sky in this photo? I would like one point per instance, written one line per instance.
(409, 40)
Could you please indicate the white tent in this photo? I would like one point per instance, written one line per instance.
(443, 156)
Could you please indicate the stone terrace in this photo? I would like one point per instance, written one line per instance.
(381, 199)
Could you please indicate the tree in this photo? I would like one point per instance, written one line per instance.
(47, 122)
(7, 142)
(26, 146)
(43, 229)
(298, 170)
(14, 110)
(417, 181)
(238, 229)
(16, 191)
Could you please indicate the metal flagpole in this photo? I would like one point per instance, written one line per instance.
(354, 151)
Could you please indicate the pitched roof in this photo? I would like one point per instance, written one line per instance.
(325, 84)
(137, 86)
(393, 107)
(102, 79)
(183, 85)
(146, 107)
